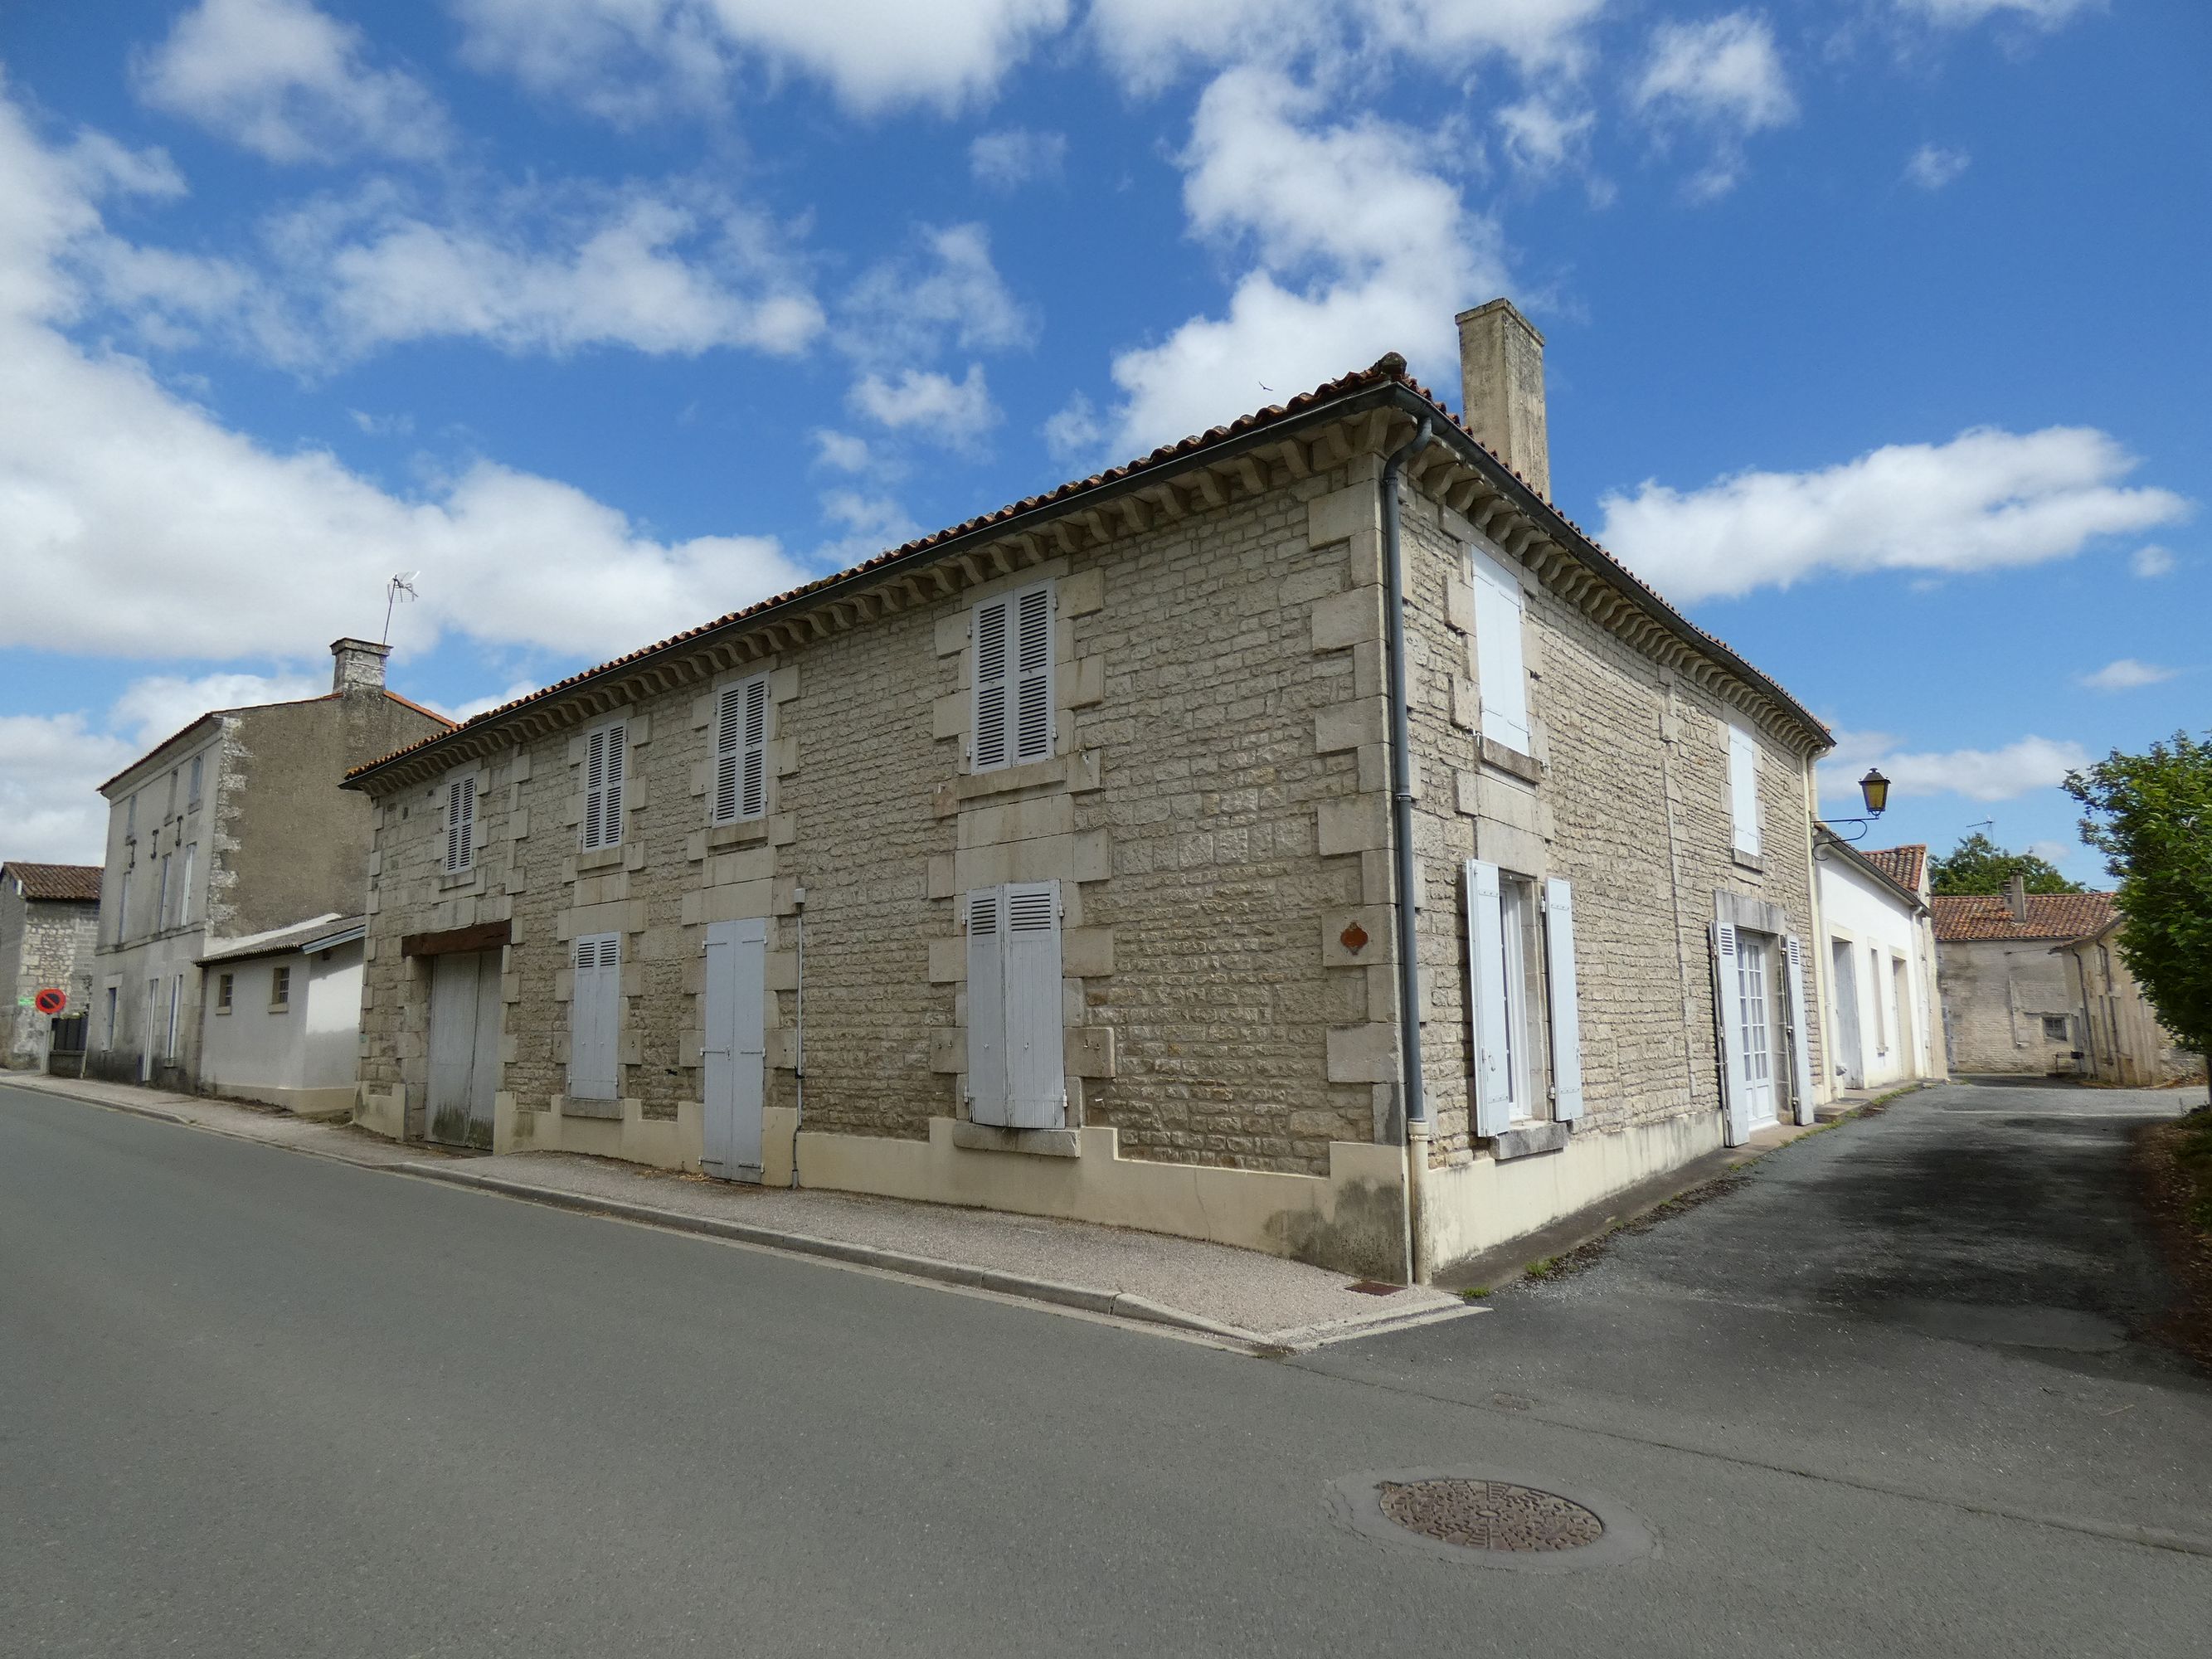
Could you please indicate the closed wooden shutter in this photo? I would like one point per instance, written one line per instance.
(1486, 1008)
(185, 891)
(1743, 789)
(1801, 1042)
(987, 1100)
(603, 786)
(741, 752)
(1013, 712)
(1037, 1083)
(594, 1005)
(1500, 672)
(461, 824)
(1728, 1011)
(1565, 1002)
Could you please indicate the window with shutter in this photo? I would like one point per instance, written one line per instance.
(1743, 789)
(1735, 1102)
(1566, 1001)
(1016, 1075)
(1487, 1011)
(1013, 713)
(741, 752)
(603, 759)
(1501, 673)
(184, 888)
(987, 1007)
(594, 1005)
(461, 823)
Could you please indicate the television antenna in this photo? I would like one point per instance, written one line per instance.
(401, 586)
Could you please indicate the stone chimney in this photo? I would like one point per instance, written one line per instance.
(359, 666)
(1501, 373)
(2017, 896)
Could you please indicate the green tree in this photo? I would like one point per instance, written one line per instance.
(1978, 864)
(2151, 817)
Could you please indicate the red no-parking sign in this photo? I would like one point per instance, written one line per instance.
(51, 1000)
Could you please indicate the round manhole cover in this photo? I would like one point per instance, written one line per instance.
(1491, 1518)
(1490, 1515)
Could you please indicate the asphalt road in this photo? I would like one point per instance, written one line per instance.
(252, 1402)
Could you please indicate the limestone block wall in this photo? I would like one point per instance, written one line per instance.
(1996, 995)
(42, 943)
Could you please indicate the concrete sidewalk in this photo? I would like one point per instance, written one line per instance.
(1238, 1296)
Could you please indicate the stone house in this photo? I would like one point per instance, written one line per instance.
(237, 825)
(2009, 1003)
(280, 1017)
(2122, 1041)
(49, 919)
(1879, 937)
(1057, 862)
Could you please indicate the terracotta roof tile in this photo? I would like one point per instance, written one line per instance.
(1389, 369)
(1963, 917)
(76, 884)
(1902, 864)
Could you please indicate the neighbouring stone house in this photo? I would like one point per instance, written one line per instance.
(1053, 862)
(2121, 1040)
(1878, 990)
(2008, 1002)
(49, 919)
(238, 825)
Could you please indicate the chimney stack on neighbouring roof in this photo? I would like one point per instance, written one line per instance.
(360, 665)
(2017, 896)
(1501, 374)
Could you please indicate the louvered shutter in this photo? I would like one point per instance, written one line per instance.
(741, 751)
(610, 822)
(987, 1007)
(461, 824)
(1485, 954)
(1501, 673)
(1801, 1047)
(1565, 1002)
(1033, 674)
(602, 786)
(593, 1006)
(1728, 1001)
(1036, 1082)
(1743, 789)
(994, 684)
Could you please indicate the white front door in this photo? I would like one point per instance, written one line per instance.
(464, 1009)
(1845, 991)
(734, 1055)
(1755, 1008)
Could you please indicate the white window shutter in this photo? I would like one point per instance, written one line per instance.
(1486, 952)
(461, 824)
(1743, 789)
(1036, 1081)
(595, 787)
(610, 824)
(741, 752)
(752, 770)
(994, 685)
(1032, 674)
(594, 1003)
(729, 739)
(1727, 1006)
(1801, 1043)
(1566, 1004)
(1501, 672)
(987, 1007)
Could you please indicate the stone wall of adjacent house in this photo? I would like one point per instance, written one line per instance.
(1997, 996)
(43, 943)
(1183, 813)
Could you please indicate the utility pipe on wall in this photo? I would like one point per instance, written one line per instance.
(1401, 836)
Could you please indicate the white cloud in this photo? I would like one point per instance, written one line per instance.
(1931, 167)
(872, 524)
(1541, 139)
(1726, 71)
(1959, 14)
(1984, 501)
(1015, 156)
(200, 542)
(630, 60)
(1361, 247)
(152, 710)
(288, 82)
(841, 450)
(954, 413)
(458, 712)
(944, 292)
(1074, 432)
(1152, 43)
(1981, 775)
(2152, 562)
(2127, 674)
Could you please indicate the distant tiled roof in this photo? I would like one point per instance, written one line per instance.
(1902, 864)
(74, 883)
(1388, 370)
(1962, 916)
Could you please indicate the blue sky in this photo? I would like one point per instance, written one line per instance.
(1875, 328)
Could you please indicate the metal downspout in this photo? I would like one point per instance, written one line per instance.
(1401, 837)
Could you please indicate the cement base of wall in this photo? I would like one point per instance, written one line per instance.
(1468, 1208)
(662, 1143)
(324, 1103)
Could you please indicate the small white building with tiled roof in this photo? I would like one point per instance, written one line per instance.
(1304, 838)
(1878, 946)
(2009, 1004)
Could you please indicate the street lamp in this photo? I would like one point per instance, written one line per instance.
(1874, 790)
